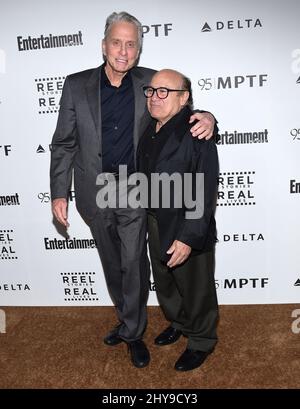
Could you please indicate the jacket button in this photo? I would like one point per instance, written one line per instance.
(99, 154)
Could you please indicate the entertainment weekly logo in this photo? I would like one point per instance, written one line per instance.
(247, 23)
(294, 186)
(30, 43)
(242, 138)
(236, 188)
(49, 90)
(79, 286)
(10, 200)
(69, 244)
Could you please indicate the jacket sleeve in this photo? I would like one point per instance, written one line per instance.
(64, 146)
(194, 231)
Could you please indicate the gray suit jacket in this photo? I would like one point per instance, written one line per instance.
(77, 140)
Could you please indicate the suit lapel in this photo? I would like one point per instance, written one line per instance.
(175, 138)
(93, 97)
(138, 82)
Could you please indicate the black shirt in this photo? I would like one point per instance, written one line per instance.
(117, 115)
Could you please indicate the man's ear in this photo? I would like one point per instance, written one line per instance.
(103, 44)
(184, 98)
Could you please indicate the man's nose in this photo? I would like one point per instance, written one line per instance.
(154, 96)
(123, 50)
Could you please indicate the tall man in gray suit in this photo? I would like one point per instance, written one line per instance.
(102, 115)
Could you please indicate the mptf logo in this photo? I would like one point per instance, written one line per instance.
(6, 149)
(237, 81)
(45, 197)
(240, 283)
(159, 30)
(295, 132)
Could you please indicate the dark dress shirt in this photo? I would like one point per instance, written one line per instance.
(117, 114)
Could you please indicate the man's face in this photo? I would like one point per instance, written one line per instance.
(121, 47)
(165, 109)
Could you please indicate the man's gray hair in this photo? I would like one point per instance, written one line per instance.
(128, 18)
(187, 85)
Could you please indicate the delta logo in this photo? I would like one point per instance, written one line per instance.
(248, 23)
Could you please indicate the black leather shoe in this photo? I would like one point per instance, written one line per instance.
(113, 338)
(140, 356)
(168, 336)
(190, 359)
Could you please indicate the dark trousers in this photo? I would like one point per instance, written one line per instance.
(187, 293)
(121, 241)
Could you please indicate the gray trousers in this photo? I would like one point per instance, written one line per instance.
(187, 293)
(120, 234)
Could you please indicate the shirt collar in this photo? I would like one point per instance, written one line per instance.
(183, 115)
(105, 81)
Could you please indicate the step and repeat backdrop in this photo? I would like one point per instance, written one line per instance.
(244, 62)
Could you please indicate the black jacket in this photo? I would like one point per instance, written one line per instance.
(183, 153)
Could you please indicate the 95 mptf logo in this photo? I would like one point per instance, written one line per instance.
(295, 133)
(233, 82)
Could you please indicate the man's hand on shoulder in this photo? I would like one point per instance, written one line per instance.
(60, 211)
(204, 128)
